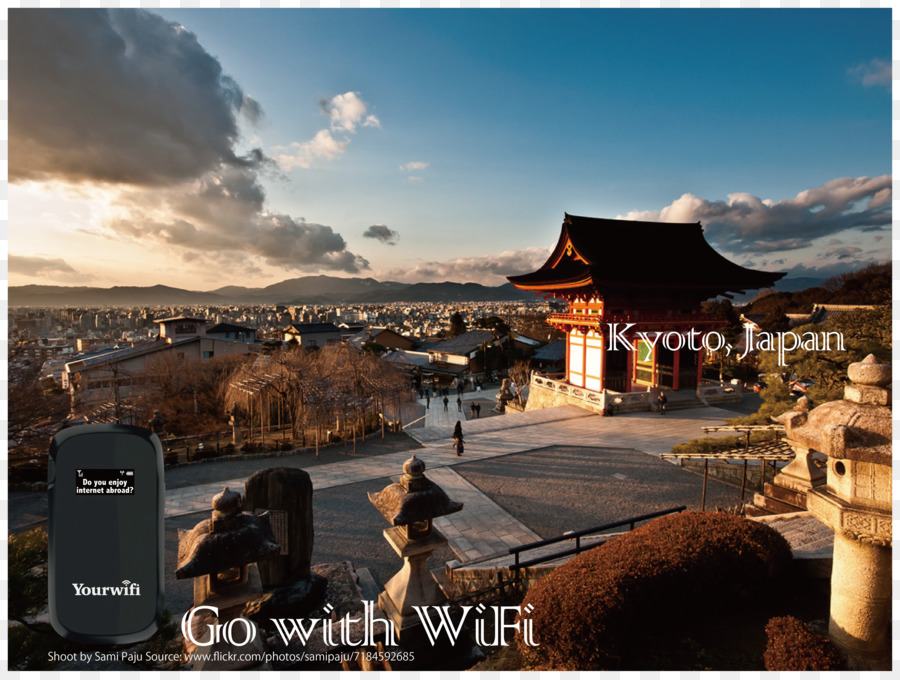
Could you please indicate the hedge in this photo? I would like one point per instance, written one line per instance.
(793, 646)
(629, 603)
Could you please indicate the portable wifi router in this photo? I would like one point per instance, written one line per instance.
(106, 496)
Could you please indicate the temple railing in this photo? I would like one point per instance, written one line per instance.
(628, 401)
(718, 391)
(603, 319)
(595, 399)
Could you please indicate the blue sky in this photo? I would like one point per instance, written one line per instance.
(455, 139)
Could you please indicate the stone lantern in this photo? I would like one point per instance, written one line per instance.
(411, 505)
(855, 502)
(218, 552)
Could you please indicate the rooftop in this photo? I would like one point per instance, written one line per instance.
(463, 344)
(608, 256)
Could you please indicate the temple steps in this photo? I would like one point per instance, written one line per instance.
(772, 506)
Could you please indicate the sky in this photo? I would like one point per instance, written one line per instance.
(206, 148)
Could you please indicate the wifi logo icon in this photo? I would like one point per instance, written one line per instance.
(126, 582)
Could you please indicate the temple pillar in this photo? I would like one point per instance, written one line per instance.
(676, 367)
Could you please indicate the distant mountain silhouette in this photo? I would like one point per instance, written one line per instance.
(321, 290)
(117, 296)
(302, 290)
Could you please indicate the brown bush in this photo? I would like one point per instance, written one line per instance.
(793, 646)
(631, 603)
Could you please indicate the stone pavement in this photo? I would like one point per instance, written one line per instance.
(483, 528)
(436, 418)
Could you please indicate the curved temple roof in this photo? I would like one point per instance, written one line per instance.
(615, 255)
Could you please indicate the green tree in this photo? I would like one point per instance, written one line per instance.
(776, 321)
(493, 323)
(864, 332)
(725, 310)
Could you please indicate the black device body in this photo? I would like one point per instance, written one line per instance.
(106, 499)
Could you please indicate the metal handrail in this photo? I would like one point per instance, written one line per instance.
(516, 550)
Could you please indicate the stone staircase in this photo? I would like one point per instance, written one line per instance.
(812, 543)
(776, 500)
(787, 493)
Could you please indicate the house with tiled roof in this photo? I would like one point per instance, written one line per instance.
(312, 334)
(457, 356)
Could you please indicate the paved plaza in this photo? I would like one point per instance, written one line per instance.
(522, 477)
(484, 528)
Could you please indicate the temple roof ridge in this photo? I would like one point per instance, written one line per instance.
(603, 255)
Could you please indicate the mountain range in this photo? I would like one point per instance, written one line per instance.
(302, 290)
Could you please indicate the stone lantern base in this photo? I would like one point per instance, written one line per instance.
(860, 580)
(413, 585)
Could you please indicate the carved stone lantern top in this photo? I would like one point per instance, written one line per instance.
(230, 538)
(413, 499)
(856, 428)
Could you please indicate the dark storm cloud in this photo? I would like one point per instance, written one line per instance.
(224, 212)
(843, 253)
(486, 269)
(119, 96)
(747, 224)
(126, 99)
(381, 232)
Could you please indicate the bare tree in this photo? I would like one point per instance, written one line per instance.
(37, 409)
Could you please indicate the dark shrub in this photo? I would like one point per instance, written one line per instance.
(632, 602)
(27, 572)
(794, 646)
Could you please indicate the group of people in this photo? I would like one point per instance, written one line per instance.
(473, 405)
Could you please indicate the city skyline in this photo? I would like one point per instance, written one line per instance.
(206, 148)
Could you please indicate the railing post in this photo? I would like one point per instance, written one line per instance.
(705, 477)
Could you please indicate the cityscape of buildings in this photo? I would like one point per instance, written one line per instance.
(66, 341)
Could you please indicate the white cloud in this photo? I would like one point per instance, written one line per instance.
(346, 112)
(748, 224)
(875, 73)
(414, 165)
(298, 155)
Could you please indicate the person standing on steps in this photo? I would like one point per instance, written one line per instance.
(662, 401)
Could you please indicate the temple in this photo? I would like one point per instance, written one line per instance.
(650, 274)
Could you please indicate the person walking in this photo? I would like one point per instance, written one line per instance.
(446, 403)
(458, 438)
(428, 400)
(459, 404)
(478, 409)
(472, 408)
(662, 401)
